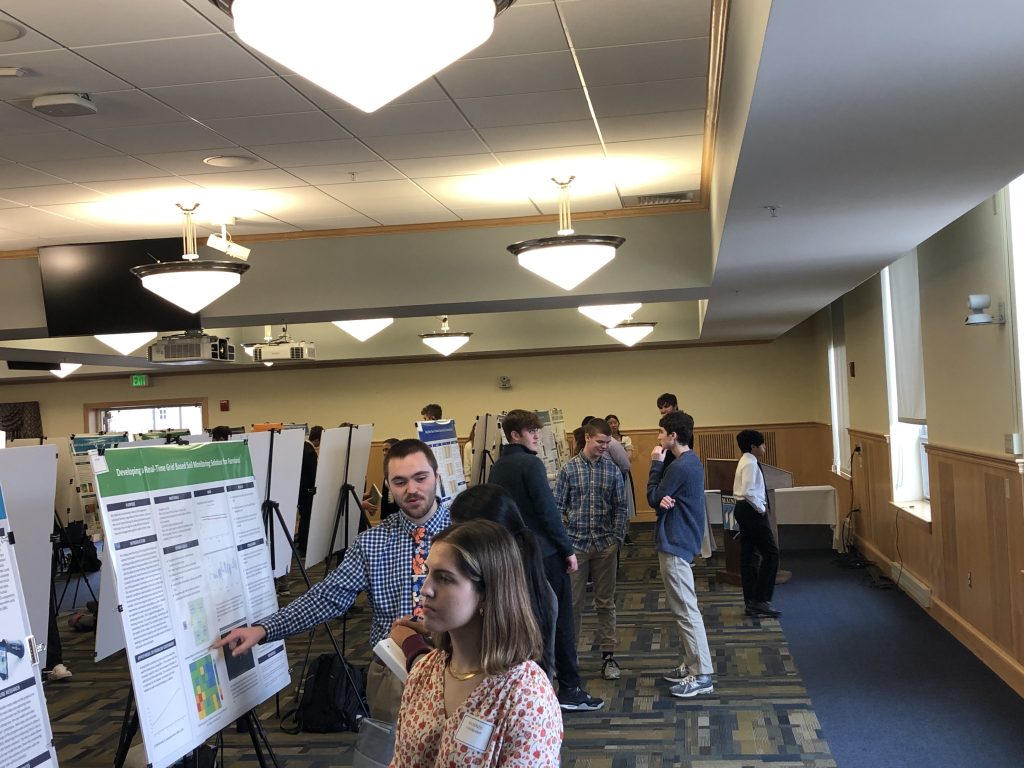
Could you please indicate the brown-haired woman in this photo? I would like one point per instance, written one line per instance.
(479, 699)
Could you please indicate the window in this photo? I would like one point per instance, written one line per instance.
(147, 416)
(839, 389)
(904, 368)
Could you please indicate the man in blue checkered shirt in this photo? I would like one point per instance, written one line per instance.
(381, 562)
(590, 494)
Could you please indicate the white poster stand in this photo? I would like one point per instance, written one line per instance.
(109, 632)
(26, 738)
(487, 441)
(190, 563)
(66, 502)
(444, 442)
(336, 454)
(28, 477)
(284, 483)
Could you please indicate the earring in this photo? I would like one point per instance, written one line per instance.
(481, 610)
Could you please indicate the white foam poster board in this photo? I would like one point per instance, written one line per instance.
(487, 440)
(109, 633)
(344, 455)
(25, 739)
(284, 482)
(444, 442)
(66, 502)
(28, 476)
(553, 450)
(190, 563)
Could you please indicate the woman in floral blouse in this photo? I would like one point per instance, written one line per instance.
(479, 699)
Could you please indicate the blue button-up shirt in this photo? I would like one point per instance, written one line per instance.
(380, 563)
(591, 497)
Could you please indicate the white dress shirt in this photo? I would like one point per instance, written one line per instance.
(749, 483)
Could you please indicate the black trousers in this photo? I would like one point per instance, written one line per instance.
(567, 666)
(759, 558)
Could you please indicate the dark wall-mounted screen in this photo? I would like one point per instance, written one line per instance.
(87, 289)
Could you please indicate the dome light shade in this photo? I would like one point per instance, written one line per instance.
(126, 343)
(447, 341)
(364, 329)
(566, 259)
(65, 370)
(367, 52)
(610, 315)
(630, 333)
(192, 285)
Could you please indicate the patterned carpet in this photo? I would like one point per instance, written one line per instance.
(758, 716)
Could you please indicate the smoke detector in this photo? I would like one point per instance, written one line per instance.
(64, 105)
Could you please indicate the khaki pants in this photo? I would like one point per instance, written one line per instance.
(601, 566)
(681, 596)
(383, 693)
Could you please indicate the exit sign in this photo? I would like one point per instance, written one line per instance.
(140, 379)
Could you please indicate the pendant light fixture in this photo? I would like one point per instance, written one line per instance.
(447, 341)
(629, 333)
(190, 283)
(367, 52)
(364, 329)
(609, 315)
(566, 259)
(126, 343)
(65, 370)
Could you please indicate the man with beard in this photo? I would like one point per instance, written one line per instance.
(387, 562)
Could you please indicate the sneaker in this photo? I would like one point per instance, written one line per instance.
(59, 672)
(610, 669)
(693, 686)
(677, 675)
(578, 700)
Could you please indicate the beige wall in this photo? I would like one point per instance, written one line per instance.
(968, 370)
(784, 381)
(865, 348)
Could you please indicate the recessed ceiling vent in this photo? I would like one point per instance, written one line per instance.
(660, 198)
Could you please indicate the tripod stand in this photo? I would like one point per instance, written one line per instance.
(62, 539)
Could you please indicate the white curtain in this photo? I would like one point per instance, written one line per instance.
(906, 327)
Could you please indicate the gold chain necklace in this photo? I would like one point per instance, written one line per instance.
(460, 676)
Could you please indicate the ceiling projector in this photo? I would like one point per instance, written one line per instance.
(191, 348)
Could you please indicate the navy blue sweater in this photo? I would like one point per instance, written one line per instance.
(680, 529)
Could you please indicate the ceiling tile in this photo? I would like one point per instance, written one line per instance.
(36, 221)
(477, 197)
(428, 90)
(342, 173)
(656, 165)
(462, 165)
(29, 41)
(523, 29)
(166, 137)
(14, 121)
(236, 98)
(6, 203)
(306, 204)
(122, 187)
(115, 109)
(516, 137)
(390, 202)
(191, 162)
(398, 119)
(526, 108)
(656, 126)
(672, 60)
(51, 195)
(109, 21)
(279, 129)
(612, 22)
(98, 169)
(645, 98)
(64, 145)
(13, 176)
(270, 179)
(56, 72)
(315, 153)
(469, 78)
(178, 61)
(427, 144)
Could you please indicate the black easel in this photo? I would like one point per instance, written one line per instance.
(249, 722)
(62, 539)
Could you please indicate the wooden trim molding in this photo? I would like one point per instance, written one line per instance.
(716, 67)
(1003, 463)
(872, 436)
(995, 658)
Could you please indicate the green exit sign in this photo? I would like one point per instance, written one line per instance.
(140, 379)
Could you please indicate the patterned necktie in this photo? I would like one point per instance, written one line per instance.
(419, 567)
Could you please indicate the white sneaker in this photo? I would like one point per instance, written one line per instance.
(59, 672)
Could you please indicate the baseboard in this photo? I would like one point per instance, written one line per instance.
(910, 583)
(1009, 670)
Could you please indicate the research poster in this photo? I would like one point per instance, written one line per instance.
(85, 482)
(441, 437)
(190, 563)
(553, 449)
(25, 738)
(487, 441)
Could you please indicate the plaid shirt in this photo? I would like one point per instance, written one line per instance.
(380, 562)
(591, 497)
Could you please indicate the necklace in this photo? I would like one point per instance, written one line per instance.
(461, 676)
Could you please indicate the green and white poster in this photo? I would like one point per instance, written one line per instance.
(25, 738)
(190, 562)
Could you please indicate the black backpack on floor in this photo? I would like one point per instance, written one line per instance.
(329, 702)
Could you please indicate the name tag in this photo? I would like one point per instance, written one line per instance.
(474, 733)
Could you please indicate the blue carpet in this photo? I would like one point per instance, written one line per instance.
(890, 686)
